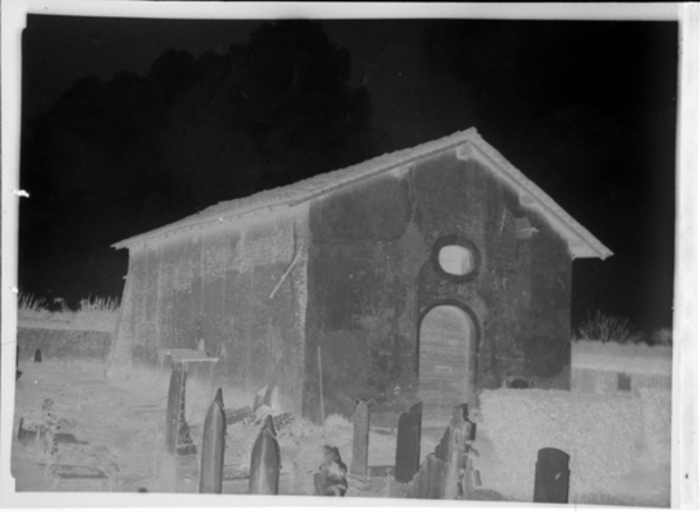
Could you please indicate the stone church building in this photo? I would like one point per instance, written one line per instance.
(427, 274)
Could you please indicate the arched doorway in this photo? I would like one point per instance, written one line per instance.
(446, 342)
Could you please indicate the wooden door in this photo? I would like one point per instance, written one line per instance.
(445, 341)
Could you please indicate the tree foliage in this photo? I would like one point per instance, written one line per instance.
(135, 152)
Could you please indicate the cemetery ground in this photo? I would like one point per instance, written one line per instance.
(123, 424)
(112, 438)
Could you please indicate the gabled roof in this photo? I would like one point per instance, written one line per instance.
(468, 144)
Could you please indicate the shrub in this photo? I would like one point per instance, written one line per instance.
(94, 312)
(662, 337)
(608, 328)
(30, 307)
(97, 311)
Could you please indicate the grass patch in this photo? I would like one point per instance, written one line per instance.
(96, 313)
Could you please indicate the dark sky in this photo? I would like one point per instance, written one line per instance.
(587, 110)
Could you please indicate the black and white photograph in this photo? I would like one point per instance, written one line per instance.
(303, 253)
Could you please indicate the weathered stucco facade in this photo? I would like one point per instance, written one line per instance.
(345, 286)
(186, 288)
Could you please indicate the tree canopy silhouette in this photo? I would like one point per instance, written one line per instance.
(133, 153)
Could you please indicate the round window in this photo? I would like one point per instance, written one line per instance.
(456, 260)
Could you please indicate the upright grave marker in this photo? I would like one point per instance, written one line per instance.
(211, 470)
(265, 461)
(176, 392)
(177, 432)
(266, 396)
(408, 444)
(552, 476)
(178, 439)
(458, 437)
(360, 440)
(442, 474)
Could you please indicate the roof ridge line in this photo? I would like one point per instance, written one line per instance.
(404, 155)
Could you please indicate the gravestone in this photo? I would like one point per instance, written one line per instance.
(267, 396)
(455, 444)
(360, 440)
(470, 479)
(265, 461)
(259, 399)
(552, 476)
(408, 444)
(470, 432)
(177, 435)
(213, 447)
(624, 382)
(172, 415)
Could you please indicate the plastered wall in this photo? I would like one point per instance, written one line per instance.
(373, 275)
(216, 285)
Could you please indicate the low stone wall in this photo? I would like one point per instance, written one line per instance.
(586, 380)
(63, 344)
(602, 433)
(606, 368)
